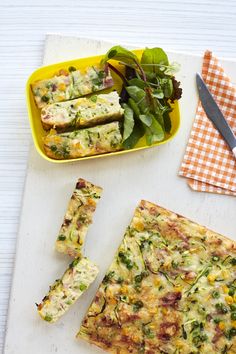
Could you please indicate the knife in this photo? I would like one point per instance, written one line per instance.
(215, 115)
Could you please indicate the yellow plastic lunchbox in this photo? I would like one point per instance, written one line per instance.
(49, 71)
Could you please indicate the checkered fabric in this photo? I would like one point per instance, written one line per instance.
(208, 162)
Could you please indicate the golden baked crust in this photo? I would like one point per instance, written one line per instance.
(170, 289)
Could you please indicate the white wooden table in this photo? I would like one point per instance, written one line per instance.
(189, 25)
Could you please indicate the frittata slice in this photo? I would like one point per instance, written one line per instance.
(82, 112)
(84, 142)
(65, 291)
(170, 289)
(78, 218)
(71, 84)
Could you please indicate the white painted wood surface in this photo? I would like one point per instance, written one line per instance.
(150, 174)
(189, 25)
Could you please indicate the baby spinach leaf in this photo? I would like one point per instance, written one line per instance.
(172, 69)
(146, 119)
(167, 122)
(128, 121)
(134, 107)
(158, 93)
(119, 53)
(134, 137)
(137, 82)
(154, 56)
(154, 133)
(136, 93)
(167, 87)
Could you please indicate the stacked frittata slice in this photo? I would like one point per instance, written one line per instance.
(66, 291)
(78, 218)
(70, 84)
(170, 289)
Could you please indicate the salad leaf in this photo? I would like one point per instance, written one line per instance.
(167, 122)
(137, 82)
(154, 56)
(158, 93)
(134, 137)
(146, 119)
(134, 107)
(154, 133)
(128, 121)
(119, 53)
(136, 93)
(167, 87)
(172, 69)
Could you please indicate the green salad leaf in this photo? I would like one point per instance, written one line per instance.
(119, 53)
(128, 121)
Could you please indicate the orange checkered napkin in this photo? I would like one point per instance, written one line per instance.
(208, 162)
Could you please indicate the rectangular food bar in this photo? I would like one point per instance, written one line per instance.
(170, 289)
(78, 217)
(85, 142)
(71, 84)
(65, 291)
(82, 112)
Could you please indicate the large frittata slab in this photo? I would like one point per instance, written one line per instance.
(170, 289)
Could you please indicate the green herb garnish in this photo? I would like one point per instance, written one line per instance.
(215, 294)
(48, 318)
(61, 238)
(125, 260)
(137, 305)
(82, 287)
(221, 308)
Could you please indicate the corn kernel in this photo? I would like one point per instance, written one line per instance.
(112, 301)
(153, 310)
(62, 87)
(233, 323)
(164, 311)
(139, 226)
(211, 278)
(229, 299)
(178, 288)
(225, 289)
(91, 202)
(124, 289)
(221, 326)
(234, 297)
(156, 281)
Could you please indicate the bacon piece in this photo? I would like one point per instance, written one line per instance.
(171, 299)
(217, 335)
(168, 330)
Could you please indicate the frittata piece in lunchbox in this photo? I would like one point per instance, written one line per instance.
(82, 112)
(78, 218)
(170, 289)
(65, 291)
(71, 84)
(85, 142)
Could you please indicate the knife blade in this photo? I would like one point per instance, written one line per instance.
(215, 115)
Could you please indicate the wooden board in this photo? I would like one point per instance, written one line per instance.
(150, 174)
